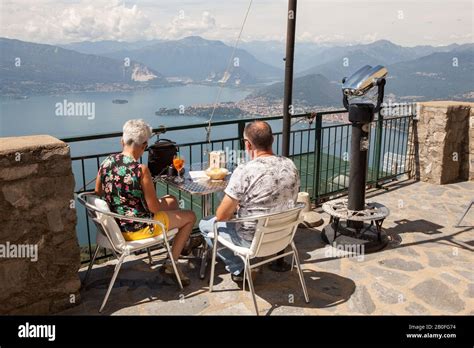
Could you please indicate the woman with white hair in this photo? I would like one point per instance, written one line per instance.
(128, 188)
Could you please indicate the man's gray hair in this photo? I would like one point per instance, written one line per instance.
(136, 132)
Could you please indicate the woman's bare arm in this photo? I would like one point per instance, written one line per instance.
(98, 185)
(149, 190)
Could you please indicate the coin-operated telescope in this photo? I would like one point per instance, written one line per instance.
(350, 217)
(361, 113)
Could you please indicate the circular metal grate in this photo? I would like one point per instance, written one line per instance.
(373, 210)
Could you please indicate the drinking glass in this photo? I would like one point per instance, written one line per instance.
(178, 164)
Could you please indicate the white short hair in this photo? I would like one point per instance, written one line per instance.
(136, 132)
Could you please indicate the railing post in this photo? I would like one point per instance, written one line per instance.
(378, 147)
(317, 156)
(240, 130)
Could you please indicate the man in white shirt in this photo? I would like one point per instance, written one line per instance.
(268, 183)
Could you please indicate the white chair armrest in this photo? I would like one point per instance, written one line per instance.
(298, 206)
(118, 216)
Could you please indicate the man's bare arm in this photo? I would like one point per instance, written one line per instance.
(226, 209)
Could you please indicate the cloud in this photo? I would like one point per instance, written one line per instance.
(95, 20)
(87, 20)
(310, 37)
(464, 36)
(182, 25)
(63, 21)
(371, 37)
(113, 22)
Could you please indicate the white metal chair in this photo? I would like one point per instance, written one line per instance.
(110, 237)
(274, 232)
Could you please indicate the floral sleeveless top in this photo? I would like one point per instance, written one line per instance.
(120, 177)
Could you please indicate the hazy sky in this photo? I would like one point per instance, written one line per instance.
(409, 23)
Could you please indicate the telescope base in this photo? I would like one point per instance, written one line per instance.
(365, 240)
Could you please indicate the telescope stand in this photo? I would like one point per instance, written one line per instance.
(361, 229)
(356, 224)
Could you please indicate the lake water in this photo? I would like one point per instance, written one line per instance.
(37, 114)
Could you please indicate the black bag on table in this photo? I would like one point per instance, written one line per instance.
(160, 156)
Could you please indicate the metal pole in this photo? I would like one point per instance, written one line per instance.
(240, 131)
(360, 115)
(358, 171)
(289, 57)
(317, 156)
(280, 265)
(378, 148)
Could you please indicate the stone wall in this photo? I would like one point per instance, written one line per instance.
(36, 213)
(468, 166)
(442, 142)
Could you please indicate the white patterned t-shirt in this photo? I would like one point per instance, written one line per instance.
(263, 185)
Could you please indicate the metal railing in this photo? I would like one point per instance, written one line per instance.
(320, 152)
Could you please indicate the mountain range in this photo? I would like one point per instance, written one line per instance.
(337, 61)
(439, 75)
(308, 90)
(27, 67)
(200, 60)
(414, 73)
(107, 46)
(309, 55)
(420, 72)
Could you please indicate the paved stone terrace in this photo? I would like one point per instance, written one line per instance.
(426, 269)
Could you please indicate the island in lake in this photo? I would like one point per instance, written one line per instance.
(120, 101)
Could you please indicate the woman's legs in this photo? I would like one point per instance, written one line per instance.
(168, 202)
(184, 221)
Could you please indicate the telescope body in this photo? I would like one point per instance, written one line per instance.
(361, 115)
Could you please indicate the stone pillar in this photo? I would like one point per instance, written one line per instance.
(39, 251)
(469, 164)
(441, 145)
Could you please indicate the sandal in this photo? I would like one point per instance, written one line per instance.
(168, 271)
(239, 278)
(192, 244)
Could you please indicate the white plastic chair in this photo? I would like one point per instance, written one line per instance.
(110, 237)
(274, 232)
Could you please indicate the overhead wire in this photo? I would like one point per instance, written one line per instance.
(226, 75)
